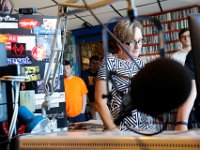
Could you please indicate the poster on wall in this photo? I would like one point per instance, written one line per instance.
(29, 41)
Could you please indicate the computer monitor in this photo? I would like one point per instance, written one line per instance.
(194, 26)
(3, 105)
(6, 70)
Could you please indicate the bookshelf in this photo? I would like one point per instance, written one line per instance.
(89, 49)
(173, 21)
(89, 40)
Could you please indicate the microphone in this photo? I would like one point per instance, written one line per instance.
(161, 86)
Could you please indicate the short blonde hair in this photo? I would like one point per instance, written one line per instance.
(125, 30)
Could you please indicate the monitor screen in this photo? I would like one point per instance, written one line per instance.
(3, 105)
(194, 25)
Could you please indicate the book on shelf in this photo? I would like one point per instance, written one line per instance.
(172, 21)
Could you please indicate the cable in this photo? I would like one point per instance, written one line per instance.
(149, 134)
(14, 118)
(9, 140)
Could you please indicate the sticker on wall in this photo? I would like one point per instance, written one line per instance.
(49, 24)
(30, 41)
(3, 38)
(28, 23)
(18, 49)
(46, 42)
(40, 86)
(38, 53)
(21, 61)
(32, 73)
(8, 22)
(11, 39)
(27, 98)
(30, 69)
(56, 98)
(32, 77)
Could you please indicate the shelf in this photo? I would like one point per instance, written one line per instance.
(166, 32)
(156, 44)
(172, 21)
(157, 53)
(172, 10)
(13, 78)
(165, 22)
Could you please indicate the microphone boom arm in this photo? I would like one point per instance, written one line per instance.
(56, 51)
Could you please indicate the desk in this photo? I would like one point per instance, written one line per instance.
(90, 140)
(17, 79)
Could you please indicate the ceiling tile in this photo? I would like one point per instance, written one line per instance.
(145, 10)
(172, 4)
(104, 13)
(103, 17)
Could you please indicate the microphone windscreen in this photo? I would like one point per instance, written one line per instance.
(161, 86)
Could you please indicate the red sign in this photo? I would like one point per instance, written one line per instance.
(38, 53)
(11, 39)
(18, 49)
(28, 23)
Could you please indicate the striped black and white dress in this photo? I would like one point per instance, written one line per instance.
(138, 120)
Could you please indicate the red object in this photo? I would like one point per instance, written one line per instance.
(38, 53)
(5, 128)
(21, 129)
(28, 23)
(18, 49)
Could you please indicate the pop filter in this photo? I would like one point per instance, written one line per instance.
(160, 86)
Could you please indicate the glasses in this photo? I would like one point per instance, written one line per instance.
(185, 36)
(133, 43)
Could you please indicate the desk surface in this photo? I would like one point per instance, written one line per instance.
(173, 140)
(13, 78)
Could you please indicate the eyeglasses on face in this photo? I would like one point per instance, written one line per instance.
(133, 43)
(185, 36)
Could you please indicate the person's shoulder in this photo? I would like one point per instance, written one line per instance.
(189, 57)
(177, 52)
(180, 52)
(110, 57)
(190, 54)
(139, 61)
(83, 72)
(77, 78)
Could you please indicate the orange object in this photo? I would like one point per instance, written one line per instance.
(75, 88)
